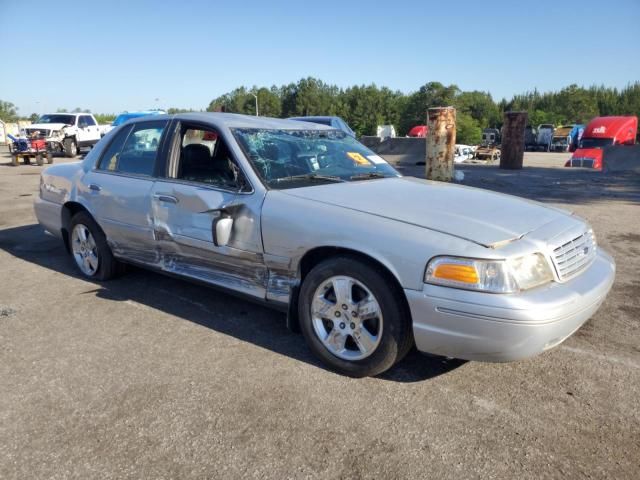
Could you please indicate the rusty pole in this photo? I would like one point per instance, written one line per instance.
(441, 143)
(512, 151)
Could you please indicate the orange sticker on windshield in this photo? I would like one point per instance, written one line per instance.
(359, 159)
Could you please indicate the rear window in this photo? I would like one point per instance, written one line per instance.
(134, 149)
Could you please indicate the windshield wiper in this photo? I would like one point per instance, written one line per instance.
(368, 176)
(311, 177)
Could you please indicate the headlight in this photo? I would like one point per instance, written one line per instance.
(495, 276)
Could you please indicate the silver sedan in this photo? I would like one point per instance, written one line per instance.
(304, 218)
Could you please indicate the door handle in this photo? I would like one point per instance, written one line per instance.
(166, 198)
(94, 187)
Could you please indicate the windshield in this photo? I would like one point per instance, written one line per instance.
(297, 158)
(58, 118)
(595, 142)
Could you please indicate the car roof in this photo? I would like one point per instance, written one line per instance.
(67, 113)
(235, 120)
(315, 117)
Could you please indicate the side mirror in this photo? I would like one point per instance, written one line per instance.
(222, 231)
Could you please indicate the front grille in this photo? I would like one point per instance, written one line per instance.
(575, 255)
(582, 162)
(43, 132)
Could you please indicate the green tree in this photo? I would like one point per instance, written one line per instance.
(480, 106)
(575, 104)
(8, 111)
(468, 130)
(269, 104)
(104, 118)
(432, 94)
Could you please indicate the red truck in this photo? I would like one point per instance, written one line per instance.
(418, 131)
(602, 132)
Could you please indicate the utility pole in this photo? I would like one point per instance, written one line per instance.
(441, 143)
(256, 97)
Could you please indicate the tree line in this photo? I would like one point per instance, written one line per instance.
(365, 107)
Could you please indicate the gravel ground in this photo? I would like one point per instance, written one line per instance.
(152, 377)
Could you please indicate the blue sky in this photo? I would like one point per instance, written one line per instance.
(114, 56)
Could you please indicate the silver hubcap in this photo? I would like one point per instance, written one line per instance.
(346, 318)
(84, 249)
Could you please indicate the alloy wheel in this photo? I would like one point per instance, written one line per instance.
(346, 318)
(85, 250)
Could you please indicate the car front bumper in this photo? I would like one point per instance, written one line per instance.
(501, 328)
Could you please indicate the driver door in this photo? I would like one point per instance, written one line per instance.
(205, 219)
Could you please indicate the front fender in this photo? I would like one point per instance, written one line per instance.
(292, 226)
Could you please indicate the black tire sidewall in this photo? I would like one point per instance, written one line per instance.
(394, 329)
(67, 147)
(106, 262)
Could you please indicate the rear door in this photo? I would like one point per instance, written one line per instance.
(204, 185)
(118, 189)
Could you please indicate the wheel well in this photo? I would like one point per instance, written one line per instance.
(315, 256)
(68, 211)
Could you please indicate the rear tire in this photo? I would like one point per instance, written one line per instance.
(39, 159)
(362, 331)
(70, 147)
(89, 249)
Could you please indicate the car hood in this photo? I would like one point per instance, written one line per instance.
(483, 217)
(48, 126)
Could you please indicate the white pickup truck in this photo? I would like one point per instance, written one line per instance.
(67, 132)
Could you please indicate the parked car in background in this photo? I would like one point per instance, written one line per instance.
(544, 137)
(304, 218)
(489, 149)
(530, 138)
(602, 132)
(385, 131)
(491, 136)
(566, 138)
(576, 135)
(67, 132)
(561, 140)
(335, 122)
(419, 131)
(463, 153)
(124, 116)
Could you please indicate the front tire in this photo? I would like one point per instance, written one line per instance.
(70, 147)
(353, 318)
(89, 249)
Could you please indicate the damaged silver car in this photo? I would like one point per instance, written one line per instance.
(302, 217)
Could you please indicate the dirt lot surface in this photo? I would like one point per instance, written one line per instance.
(152, 377)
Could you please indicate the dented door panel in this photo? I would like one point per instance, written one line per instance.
(183, 225)
(121, 206)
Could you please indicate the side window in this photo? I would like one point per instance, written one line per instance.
(205, 158)
(134, 149)
(89, 120)
(82, 121)
(109, 159)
